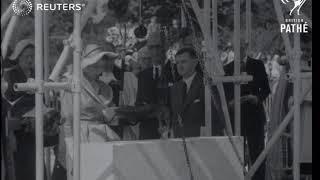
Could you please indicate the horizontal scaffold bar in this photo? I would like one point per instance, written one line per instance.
(234, 79)
(48, 85)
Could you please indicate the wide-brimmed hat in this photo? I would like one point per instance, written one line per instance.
(21, 45)
(93, 53)
(144, 53)
(154, 39)
(8, 65)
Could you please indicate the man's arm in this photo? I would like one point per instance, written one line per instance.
(141, 98)
(218, 120)
(263, 82)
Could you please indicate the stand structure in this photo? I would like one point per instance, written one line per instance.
(214, 67)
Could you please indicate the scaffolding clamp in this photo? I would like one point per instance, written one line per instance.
(75, 86)
(40, 87)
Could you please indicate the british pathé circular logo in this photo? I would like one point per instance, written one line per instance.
(297, 23)
(22, 7)
(297, 4)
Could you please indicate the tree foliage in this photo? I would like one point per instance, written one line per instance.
(265, 27)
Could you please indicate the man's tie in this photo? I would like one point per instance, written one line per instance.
(156, 77)
(184, 91)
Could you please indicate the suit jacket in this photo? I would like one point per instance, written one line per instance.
(259, 87)
(191, 109)
(26, 102)
(153, 92)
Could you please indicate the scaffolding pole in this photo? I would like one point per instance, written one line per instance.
(285, 36)
(237, 59)
(5, 17)
(39, 91)
(208, 112)
(216, 66)
(47, 151)
(62, 61)
(76, 94)
(214, 12)
(276, 135)
(248, 24)
(8, 34)
(296, 93)
(46, 51)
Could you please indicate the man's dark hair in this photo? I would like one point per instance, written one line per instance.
(191, 51)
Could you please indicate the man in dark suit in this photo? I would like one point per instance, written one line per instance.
(253, 117)
(187, 96)
(153, 87)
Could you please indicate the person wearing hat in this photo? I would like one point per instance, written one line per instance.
(96, 98)
(23, 54)
(19, 68)
(153, 84)
(4, 110)
(227, 56)
(144, 58)
(253, 94)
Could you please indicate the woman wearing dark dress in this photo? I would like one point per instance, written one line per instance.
(20, 103)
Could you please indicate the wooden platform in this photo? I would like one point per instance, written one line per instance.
(211, 158)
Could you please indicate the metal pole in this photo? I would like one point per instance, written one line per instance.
(215, 46)
(39, 92)
(243, 79)
(285, 36)
(5, 17)
(237, 108)
(47, 152)
(46, 51)
(208, 112)
(275, 137)
(296, 124)
(76, 95)
(61, 62)
(8, 34)
(248, 23)
(216, 68)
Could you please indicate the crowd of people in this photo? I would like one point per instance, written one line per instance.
(150, 92)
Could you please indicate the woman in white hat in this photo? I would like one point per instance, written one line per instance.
(19, 68)
(96, 99)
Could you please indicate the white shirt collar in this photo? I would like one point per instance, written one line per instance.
(156, 67)
(189, 80)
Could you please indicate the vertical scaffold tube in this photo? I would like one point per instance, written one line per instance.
(296, 122)
(39, 93)
(237, 113)
(248, 24)
(76, 95)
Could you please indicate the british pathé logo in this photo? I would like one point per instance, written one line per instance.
(296, 24)
(21, 7)
(297, 5)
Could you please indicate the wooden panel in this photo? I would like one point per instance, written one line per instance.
(96, 161)
(306, 123)
(211, 158)
(306, 134)
(305, 83)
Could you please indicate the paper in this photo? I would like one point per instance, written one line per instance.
(110, 114)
